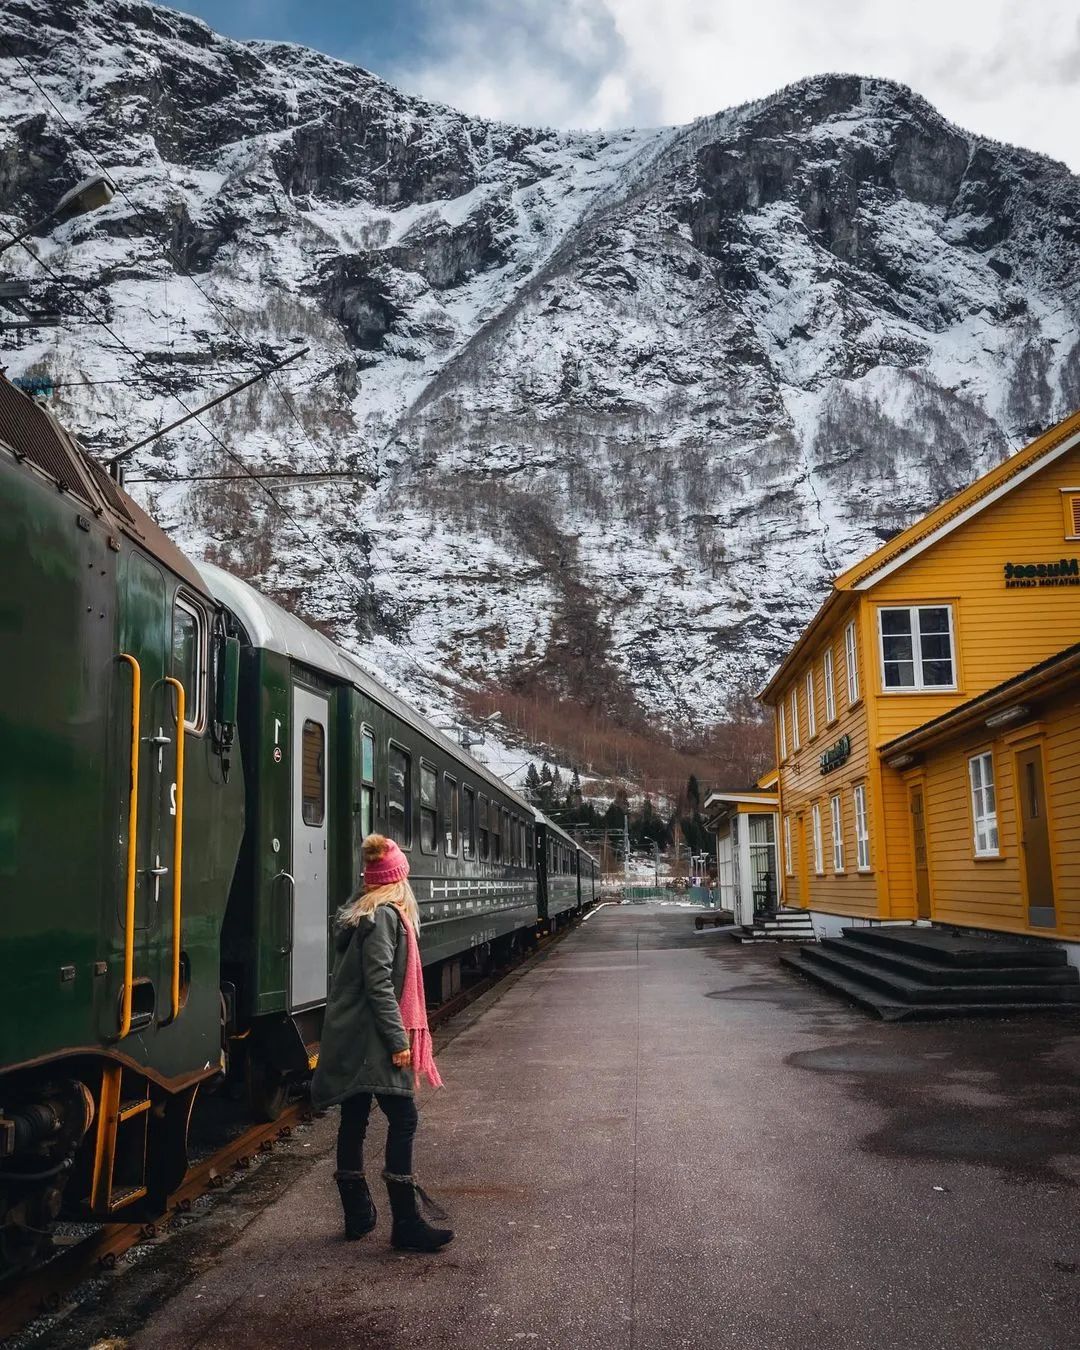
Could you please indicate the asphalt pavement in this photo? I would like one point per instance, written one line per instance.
(657, 1138)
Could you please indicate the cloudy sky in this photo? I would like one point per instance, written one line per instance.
(1003, 68)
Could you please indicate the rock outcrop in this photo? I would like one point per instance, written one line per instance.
(613, 406)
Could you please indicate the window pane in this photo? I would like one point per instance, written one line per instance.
(450, 815)
(485, 841)
(399, 797)
(429, 829)
(898, 648)
(367, 804)
(313, 773)
(186, 663)
(367, 757)
(937, 673)
(934, 620)
(936, 647)
(895, 621)
(468, 833)
(899, 674)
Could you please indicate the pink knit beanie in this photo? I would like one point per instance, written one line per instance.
(384, 862)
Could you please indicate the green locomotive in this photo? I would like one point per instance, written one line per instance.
(187, 776)
(117, 719)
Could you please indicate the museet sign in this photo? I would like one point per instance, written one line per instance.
(836, 754)
(1028, 576)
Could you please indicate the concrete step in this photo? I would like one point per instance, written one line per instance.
(848, 960)
(763, 933)
(893, 1010)
(954, 949)
(901, 961)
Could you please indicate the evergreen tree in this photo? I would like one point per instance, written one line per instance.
(532, 784)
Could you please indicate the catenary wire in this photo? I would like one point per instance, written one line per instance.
(222, 313)
(209, 430)
(169, 254)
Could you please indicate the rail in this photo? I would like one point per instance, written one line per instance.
(178, 843)
(133, 836)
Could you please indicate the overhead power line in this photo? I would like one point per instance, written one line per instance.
(164, 247)
(211, 300)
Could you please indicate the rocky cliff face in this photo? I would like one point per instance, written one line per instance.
(614, 406)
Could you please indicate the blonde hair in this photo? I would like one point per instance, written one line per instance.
(365, 902)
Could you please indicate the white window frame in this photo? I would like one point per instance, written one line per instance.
(919, 687)
(830, 687)
(862, 828)
(984, 821)
(795, 742)
(194, 699)
(811, 706)
(836, 811)
(819, 851)
(851, 660)
(783, 730)
(789, 869)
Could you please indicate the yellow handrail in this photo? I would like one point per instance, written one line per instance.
(178, 843)
(133, 828)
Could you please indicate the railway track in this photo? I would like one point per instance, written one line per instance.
(41, 1290)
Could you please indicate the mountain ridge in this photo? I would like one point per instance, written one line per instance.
(616, 405)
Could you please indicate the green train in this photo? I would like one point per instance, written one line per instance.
(188, 773)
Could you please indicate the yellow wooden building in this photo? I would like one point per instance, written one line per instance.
(985, 587)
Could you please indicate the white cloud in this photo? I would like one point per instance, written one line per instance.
(1007, 71)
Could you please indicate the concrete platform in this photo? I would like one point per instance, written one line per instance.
(657, 1139)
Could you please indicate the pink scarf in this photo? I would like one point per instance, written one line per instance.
(414, 1012)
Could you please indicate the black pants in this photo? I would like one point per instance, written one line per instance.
(401, 1115)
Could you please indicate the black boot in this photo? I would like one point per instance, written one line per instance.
(356, 1201)
(412, 1232)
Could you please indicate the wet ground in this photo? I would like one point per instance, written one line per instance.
(657, 1138)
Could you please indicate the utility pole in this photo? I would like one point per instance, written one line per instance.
(626, 847)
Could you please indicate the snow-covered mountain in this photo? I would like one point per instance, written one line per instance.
(614, 405)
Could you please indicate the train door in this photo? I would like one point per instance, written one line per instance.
(310, 855)
(148, 728)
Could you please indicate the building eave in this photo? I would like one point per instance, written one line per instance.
(832, 601)
(1043, 680)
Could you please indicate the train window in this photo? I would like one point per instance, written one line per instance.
(399, 797)
(367, 781)
(313, 773)
(429, 824)
(468, 823)
(528, 845)
(485, 843)
(496, 832)
(451, 824)
(189, 658)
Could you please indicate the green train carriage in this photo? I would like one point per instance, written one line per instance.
(330, 754)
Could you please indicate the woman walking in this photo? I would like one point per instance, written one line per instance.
(376, 1043)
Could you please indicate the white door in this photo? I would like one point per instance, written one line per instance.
(310, 780)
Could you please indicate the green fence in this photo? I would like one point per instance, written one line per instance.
(692, 895)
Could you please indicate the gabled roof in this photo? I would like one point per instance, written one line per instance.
(1017, 469)
(935, 525)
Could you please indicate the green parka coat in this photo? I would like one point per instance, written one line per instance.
(363, 1026)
